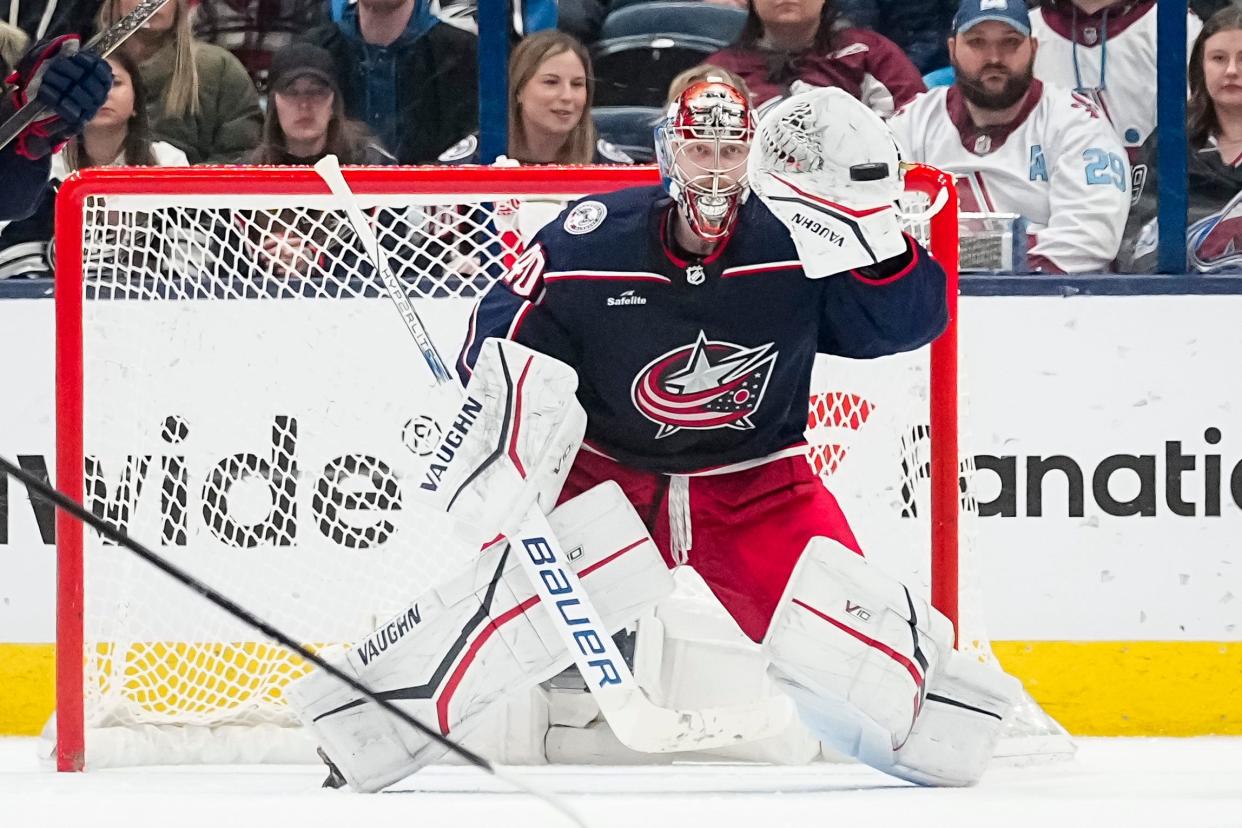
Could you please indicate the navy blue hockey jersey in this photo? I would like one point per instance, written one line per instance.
(24, 182)
(689, 364)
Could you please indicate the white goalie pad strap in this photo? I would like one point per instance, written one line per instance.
(962, 720)
(474, 639)
(829, 168)
(855, 648)
(509, 445)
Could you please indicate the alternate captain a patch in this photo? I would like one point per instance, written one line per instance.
(704, 385)
(585, 217)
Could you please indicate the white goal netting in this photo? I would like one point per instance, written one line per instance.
(253, 408)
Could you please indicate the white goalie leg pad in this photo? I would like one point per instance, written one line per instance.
(509, 445)
(474, 639)
(855, 649)
(963, 717)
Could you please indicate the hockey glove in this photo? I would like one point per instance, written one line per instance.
(829, 169)
(71, 84)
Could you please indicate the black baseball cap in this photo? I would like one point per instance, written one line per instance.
(299, 60)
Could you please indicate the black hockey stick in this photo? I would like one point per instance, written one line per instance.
(36, 486)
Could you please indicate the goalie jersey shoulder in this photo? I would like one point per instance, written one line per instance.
(621, 231)
(607, 231)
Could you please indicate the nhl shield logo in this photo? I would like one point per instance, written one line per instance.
(585, 217)
(704, 385)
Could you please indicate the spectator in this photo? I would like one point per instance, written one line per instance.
(410, 78)
(1019, 145)
(53, 18)
(118, 135)
(1214, 166)
(13, 43)
(1106, 51)
(704, 72)
(200, 98)
(306, 116)
(789, 45)
(550, 93)
(254, 30)
(920, 28)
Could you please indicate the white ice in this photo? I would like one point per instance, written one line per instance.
(1135, 783)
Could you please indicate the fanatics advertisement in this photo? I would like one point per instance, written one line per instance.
(281, 443)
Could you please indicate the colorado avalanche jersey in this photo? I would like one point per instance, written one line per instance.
(1058, 164)
(690, 364)
(1109, 56)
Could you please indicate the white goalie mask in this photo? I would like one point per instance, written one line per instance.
(701, 147)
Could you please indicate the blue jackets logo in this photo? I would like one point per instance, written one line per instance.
(704, 385)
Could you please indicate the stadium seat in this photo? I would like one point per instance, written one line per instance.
(698, 19)
(636, 70)
(939, 77)
(629, 128)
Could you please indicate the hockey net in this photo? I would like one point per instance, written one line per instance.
(235, 390)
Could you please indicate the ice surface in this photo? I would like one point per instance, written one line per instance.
(1130, 782)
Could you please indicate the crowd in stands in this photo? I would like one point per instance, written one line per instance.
(1045, 110)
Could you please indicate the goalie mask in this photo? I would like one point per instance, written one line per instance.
(702, 147)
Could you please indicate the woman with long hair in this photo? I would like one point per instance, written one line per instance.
(201, 98)
(306, 115)
(305, 121)
(118, 135)
(550, 92)
(1214, 165)
(790, 45)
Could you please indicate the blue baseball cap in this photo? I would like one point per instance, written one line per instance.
(972, 12)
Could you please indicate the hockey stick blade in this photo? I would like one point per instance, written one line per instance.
(37, 487)
(102, 44)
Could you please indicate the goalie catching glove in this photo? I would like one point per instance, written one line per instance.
(829, 168)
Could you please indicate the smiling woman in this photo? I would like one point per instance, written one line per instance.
(550, 92)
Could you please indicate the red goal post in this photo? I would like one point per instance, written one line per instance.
(100, 209)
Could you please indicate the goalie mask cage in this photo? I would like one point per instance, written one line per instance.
(235, 389)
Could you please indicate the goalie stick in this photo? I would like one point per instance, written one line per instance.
(635, 720)
(37, 487)
(102, 44)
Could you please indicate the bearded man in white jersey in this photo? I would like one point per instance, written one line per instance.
(1022, 146)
